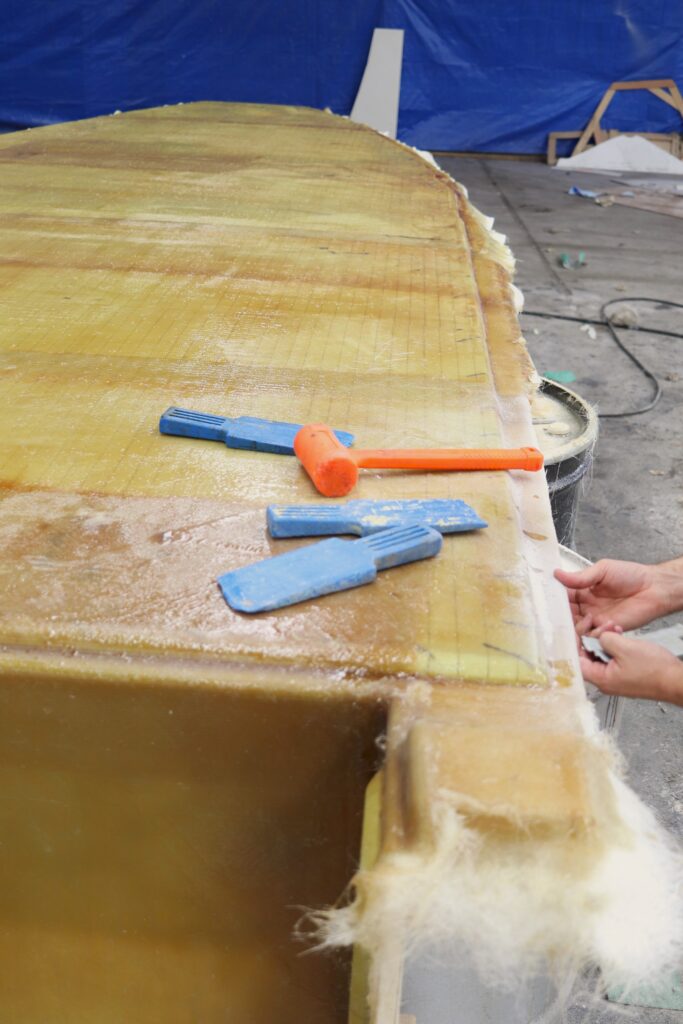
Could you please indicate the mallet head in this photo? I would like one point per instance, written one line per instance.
(329, 464)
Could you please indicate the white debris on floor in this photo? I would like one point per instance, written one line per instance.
(624, 153)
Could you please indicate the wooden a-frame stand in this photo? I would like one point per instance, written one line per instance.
(664, 89)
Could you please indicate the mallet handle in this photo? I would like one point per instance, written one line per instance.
(449, 458)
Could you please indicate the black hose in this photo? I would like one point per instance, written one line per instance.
(605, 321)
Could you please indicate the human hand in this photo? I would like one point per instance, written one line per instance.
(626, 594)
(638, 668)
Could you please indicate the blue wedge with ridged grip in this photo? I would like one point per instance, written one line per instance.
(247, 432)
(325, 567)
(365, 517)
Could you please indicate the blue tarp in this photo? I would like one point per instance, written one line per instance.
(483, 75)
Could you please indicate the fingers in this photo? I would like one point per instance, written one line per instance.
(574, 598)
(614, 643)
(586, 627)
(584, 624)
(588, 623)
(606, 627)
(588, 577)
(593, 671)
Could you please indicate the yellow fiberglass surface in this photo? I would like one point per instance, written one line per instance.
(258, 261)
(182, 779)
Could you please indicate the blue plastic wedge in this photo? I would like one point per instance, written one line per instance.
(324, 568)
(243, 432)
(365, 517)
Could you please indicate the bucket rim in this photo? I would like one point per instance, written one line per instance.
(586, 440)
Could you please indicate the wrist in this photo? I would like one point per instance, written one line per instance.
(672, 683)
(668, 586)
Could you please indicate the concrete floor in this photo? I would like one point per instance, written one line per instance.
(632, 507)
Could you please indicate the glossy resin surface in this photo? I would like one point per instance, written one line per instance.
(183, 778)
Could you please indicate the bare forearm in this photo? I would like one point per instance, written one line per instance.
(672, 685)
(669, 577)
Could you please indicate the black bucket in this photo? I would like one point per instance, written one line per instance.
(567, 429)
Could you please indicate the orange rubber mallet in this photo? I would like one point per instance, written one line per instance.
(334, 468)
